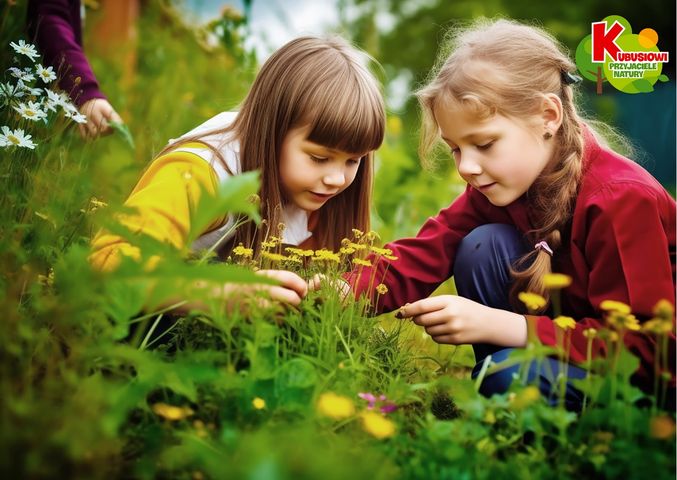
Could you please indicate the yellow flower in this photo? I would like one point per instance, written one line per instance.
(381, 289)
(359, 261)
(377, 425)
(280, 227)
(172, 413)
(275, 257)
(614, 306)
(556, 281)
(341, 365)
(381, 251)
(335, 406)
(356, 246)
(525, 397)
(357, 233)
(294, 259)
(664, 309)
(259, 403)
(565, 322)
(324, 254)
(589, 333)
(662, 427)
(346, 250)
(241, 251)
(620, 321)
(657, 325)
(533, 301)
(299, 251)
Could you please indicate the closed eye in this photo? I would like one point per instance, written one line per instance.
(317, 159)
(486, 146)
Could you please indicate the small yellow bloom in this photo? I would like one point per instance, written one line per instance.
(614, 306)
(381, 289)
(525, 397)
(662, 427)
(658, 326)
(364, 263)
(381, 251)
(341, 365)
(171, 412)
(565, 322)
(533, 301)
(241, 251)
(556, 281)
(590, 333)
(299, 251)
(664, 309)
(324, 254)
(259, 403)
(377, 425)
(357, 233)
(346, 250)
(274, 257)
(281, 227)
(335, 406)
(356, 246)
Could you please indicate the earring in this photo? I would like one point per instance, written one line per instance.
(547, 135)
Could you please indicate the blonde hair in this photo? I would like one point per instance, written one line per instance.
(322, 83)
(507, 68)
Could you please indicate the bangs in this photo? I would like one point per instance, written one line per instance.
(347, 114)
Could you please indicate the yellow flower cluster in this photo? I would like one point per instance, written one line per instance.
(533, 301)
(381, 289)
(241, 251)
(565, 323)
(335, 406)
(299, 252)
(324, 254)
(363, 263)
(556, 281)
(275, 257)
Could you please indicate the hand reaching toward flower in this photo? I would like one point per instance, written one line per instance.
(99, 112)
(457, 320)
(341, 286)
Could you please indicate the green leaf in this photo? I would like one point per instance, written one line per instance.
(123, 130)
(643, 86)
(663, 78)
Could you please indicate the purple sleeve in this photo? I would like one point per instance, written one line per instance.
(54, 25)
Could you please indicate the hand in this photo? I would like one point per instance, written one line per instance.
(457, 320)
(341, 286)
(99, 112)
(292, 288)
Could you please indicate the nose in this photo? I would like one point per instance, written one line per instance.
(468, 166)
(334, 178)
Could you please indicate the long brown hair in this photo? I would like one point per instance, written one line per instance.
(322, 83)
(507, 68)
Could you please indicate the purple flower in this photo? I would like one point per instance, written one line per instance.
(384, 405)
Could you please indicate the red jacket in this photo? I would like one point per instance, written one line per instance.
(620, 245)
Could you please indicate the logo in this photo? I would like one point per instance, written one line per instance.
(631, 63)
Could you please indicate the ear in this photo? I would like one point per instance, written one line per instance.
(551, 113)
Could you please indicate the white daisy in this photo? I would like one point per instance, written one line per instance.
(48, 104)
(76, 116)
(33, 91)
(25, 49)
(53, 97)
(47, 75)
(30, 111)
(12, 91)
(15, 138)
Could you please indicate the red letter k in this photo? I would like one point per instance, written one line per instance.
(605, 41)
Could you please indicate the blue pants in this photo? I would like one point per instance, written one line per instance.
(482, 274)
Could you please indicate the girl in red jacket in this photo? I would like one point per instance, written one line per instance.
(544, 195)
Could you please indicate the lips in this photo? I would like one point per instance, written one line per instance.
(485, 187)
(322, 196)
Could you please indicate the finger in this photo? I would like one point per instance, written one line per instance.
(447, 339)
(425, 305)
(316, 282)
(439, 329)
(430, 319)
(284, 295)
(288, 280)
(83, 131)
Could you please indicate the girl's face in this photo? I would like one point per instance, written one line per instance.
(310, 173)
(499, 157)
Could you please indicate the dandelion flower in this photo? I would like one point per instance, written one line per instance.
(381, 289)
(614, 306)
(533, 301)
(24, 48)
(15, 138)
(364, 263)
(556, 281)
(30, 111)
(47, 75)
(377, 425)
(172, 413)
(259, 403)
(335, 406)
(565, 323)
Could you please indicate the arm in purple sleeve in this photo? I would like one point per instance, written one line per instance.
(55, 26)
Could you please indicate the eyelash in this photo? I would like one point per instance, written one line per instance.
(484, 147)
(321, 160)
